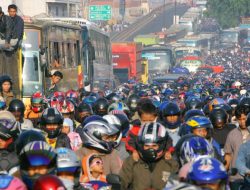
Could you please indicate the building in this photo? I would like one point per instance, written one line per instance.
(53, 8)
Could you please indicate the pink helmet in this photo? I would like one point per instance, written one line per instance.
(8, 182)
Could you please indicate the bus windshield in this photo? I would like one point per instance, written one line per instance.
(157, 59)
(229, 37)
(182, 53)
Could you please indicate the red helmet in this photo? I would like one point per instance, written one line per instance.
(59, 95)
(71, 94)
(49, 182)
(66, 107)
(54, 103)
(37, 102)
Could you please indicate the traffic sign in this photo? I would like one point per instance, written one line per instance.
(100, 12)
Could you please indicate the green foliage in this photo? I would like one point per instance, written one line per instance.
(228, 12)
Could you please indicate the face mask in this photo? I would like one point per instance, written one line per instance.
(67, 183)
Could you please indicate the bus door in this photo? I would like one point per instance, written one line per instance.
(30, 61)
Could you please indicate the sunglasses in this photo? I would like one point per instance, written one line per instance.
(98, 162)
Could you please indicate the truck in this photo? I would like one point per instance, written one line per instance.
(128, 63)
(147, 39)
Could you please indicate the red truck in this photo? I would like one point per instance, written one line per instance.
(127, 61)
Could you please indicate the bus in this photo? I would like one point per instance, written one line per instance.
(77, 48)
(204, 42)
(160, 59)
(25, 65)
(183, 51)
(192, 63)
(230, 37)
(80, 50)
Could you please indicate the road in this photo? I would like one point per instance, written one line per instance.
(151, 24)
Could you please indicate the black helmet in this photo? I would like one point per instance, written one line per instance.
(101, 106)
(17, 105)
(132, 102)
(152, 133)
(248, 120)
(51, 116)
(233, 103)
(193, 112)
(83, 107)
(218, 115)
(27, 137)
(245, 101)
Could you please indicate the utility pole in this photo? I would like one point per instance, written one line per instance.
(68, 8)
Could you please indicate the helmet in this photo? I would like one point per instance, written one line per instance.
(48, 182)
(66, 107)
(152, 133)
(72, 95)
(113, 120)
(2, 103)
(8, 121)
(8, 182)
(67, 161)
(193, 112)
(193, 103)
(118, 106)
(218, 115)
(27, 137)
(193, 148)
(113, 97)
(100, 107)
(37, 102)
(34, 154)
(90, 100)
(132, 102)
(207, 170)
(171, 109)
(176, 185)
(60, 96)
(124, 122)
(93, 133)
(17, 105)
(216, 102)
(233, 103)
(83, 107)
(248, 120)
(199, 122)
(245, 101)
(92, 118)
(51, 116)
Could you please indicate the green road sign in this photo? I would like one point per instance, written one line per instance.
(100, 12)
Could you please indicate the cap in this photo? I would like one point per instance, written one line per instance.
(68, 122)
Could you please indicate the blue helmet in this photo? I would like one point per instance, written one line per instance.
(207, 171)
(194, 148)
(90, 100)
(199, 122)
(193, 112)
(176, 185)
(171, 109)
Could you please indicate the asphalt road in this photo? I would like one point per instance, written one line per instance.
(155, 23)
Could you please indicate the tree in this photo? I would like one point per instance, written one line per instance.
(228, 12)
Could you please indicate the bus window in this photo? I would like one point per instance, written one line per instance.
(30, 68)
